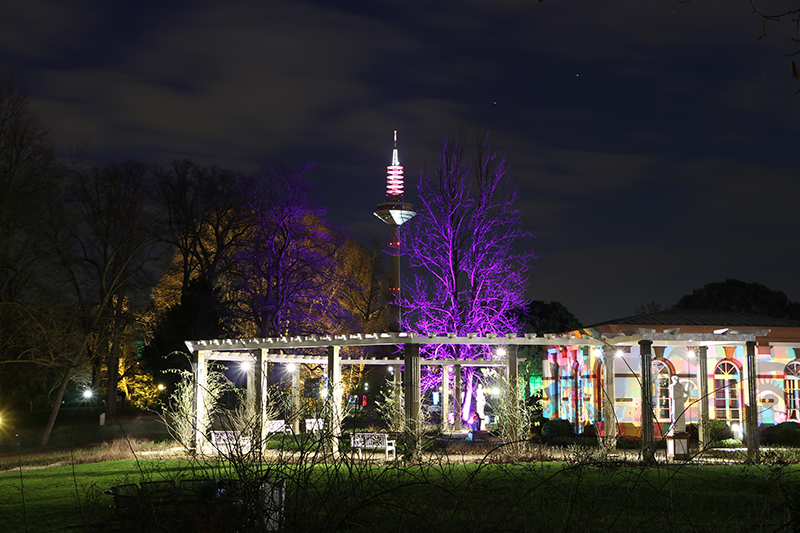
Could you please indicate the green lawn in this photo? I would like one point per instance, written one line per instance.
(434, 497)
(23, 430)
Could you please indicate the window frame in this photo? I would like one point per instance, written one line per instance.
(791, 390)
(662, 398)
(727, 395)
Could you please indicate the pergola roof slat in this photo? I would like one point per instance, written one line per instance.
(242, 349)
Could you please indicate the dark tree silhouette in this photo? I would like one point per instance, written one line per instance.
(737, 296)
(106, 252)
(541, 317)
(30, 178)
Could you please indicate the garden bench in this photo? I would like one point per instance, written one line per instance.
(230, 441)
(315, 424)
(373, 441)
(277, 426)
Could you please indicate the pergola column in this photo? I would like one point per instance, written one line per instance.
(578, 389)
(398, 396)
(445, 398)
(512, 376)
(457, 397)
(250, 393)
(296, 400)
(752, 407)
(702, 385)
(261, 379)
(609, 392)
(333, 419)
(200, 377)
(647, 399)
(411, 386)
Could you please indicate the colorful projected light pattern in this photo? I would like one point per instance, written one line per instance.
(573, 386)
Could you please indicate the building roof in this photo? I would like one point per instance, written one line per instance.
(694, 317)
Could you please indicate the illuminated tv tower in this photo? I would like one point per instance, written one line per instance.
(394, 212)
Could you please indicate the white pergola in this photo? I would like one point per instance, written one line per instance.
(261, 351)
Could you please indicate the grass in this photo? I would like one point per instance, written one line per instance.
(445, 493)
(73, 427)
(62, 497)
(436, 496)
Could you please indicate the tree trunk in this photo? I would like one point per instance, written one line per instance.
(56, 406)
(113, 361)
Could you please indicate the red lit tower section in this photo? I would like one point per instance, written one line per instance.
(394, 212)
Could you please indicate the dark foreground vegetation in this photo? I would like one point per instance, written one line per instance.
(446, 491)
(456, 486)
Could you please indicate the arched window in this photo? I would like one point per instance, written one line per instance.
(661, 381)
(791, 387)
(727, 392)
(597, 389)
(567, 389)
(555, 398)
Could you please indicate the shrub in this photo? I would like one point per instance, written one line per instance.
(784, 434)
(628, 443)
(727, 443)
(537, 423)
(719, 430)
(694, 433)
(557, 427)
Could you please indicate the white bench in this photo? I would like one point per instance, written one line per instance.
(315, 424)
(373, 441)
(278, 426)
(230, 441)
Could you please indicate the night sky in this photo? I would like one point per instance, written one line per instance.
(657, 145)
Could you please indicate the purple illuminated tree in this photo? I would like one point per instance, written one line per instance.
(469, 268)
(283, 274)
